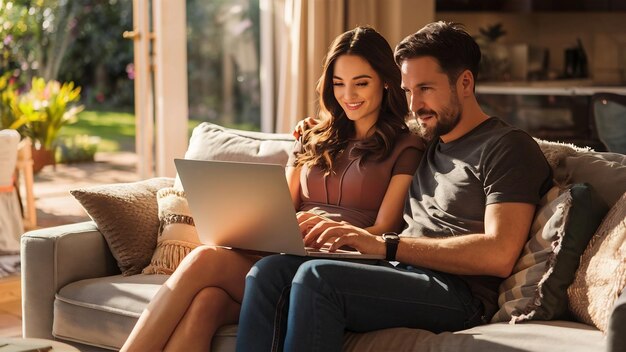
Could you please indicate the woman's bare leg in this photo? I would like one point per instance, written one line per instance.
(203, 267)
(211, 308)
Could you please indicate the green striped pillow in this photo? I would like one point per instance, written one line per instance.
(563, 225)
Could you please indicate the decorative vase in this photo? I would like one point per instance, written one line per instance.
(42, 157)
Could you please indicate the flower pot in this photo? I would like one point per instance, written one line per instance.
(41, 158)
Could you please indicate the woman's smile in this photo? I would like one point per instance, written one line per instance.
(353, 106)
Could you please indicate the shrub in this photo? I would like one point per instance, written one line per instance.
(78, 148)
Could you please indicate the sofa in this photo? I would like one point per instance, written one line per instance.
(73, 289)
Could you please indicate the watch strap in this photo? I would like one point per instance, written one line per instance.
(392, 248)
(391, 244)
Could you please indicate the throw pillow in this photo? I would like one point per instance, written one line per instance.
(537, 288)
(605, 172)
(177, 233)
(601, 276)
(126, 214)
(555, 152)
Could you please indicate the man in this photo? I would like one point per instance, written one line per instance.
(468, 215)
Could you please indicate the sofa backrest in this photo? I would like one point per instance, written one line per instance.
(213, 142)
(606, 172)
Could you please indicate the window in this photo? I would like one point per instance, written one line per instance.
(223, 62)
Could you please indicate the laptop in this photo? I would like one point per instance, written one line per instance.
(246, 206)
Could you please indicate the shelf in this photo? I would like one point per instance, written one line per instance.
(527, 6)
(559, 87)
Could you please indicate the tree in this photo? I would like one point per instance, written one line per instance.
(69, 40)
(37, 34)
(99, 57)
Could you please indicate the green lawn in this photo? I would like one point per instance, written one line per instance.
(116, 129)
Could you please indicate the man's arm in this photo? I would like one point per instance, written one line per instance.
(492, 253)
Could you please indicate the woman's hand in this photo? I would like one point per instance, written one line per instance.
(310, 224)
(318, 230)
(304, 125)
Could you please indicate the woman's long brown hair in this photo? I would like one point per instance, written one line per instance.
(323, 142)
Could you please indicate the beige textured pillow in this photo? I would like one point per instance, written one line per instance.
(605, 171)
(126, 214)
(601, 276)
(177, 233)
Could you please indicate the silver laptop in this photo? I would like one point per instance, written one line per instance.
(247, 206)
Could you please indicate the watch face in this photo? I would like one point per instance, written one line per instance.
(391, 237)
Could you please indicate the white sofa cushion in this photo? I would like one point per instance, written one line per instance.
(213, 142)
(86, 308)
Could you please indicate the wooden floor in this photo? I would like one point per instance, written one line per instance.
(10, 307)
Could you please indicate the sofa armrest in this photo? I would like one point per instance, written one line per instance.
(616, 339)
(52, 258)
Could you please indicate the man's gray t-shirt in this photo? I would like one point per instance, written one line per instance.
(455, 181)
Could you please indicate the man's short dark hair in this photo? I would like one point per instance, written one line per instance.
(447, 42)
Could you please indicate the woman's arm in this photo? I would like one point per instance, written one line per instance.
(293, 181)
(389, 216)
(318, 230)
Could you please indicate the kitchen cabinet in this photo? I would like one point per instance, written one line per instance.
(553, 113)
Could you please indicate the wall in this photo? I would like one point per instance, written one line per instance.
(399, 18)
(603, 36)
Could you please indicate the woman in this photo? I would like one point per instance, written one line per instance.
(354, 166)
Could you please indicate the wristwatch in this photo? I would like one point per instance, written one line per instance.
(391, 241)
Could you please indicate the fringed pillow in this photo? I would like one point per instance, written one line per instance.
(177, 234)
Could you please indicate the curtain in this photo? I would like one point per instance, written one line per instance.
(295, 36)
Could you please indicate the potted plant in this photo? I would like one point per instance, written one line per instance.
(495, 63)
(43, 111)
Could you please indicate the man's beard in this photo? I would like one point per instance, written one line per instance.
(447, 120)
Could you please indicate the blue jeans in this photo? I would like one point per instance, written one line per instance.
(303, 304)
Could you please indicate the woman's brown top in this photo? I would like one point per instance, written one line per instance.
(353, 192)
